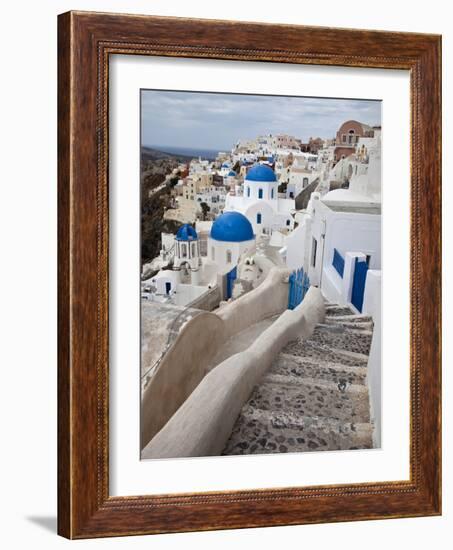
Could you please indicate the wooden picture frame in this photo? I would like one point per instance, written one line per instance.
(85, 41)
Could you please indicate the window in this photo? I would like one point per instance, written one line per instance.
(288, 222)
(260, 193)
(213, 253)
(343, 138)
(194, 249)
(228, 256)
(305, 182)
(183, 251)
(314, 247)
(291, 195)
(248, 191)
(258, 218)
(272, 193)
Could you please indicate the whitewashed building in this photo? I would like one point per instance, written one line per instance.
(231, 236)
(260, 202)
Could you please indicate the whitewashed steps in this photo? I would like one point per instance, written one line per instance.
(356, 325)
(314, 397)
(262, 431)
(348, 318)
(336, 310)
(303, 367)
(343, 338)
(325, 353)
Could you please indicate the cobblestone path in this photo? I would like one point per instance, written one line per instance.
(315, 395)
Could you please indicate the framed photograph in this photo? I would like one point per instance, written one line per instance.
(249, 275)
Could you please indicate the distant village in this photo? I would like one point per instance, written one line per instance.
(270, 201)
(274, 264)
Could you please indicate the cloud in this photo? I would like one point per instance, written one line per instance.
(216, 121)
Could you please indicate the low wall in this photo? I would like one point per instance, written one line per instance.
(203, 424)
(188, 360)
(181, 370)
(268, 299)
(208, 301)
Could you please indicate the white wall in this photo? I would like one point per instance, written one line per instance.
(372, 306)
(28, 227)
(220, 254)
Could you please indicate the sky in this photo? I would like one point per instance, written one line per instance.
(217, 121)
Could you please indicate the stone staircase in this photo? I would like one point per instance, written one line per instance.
(315, 395)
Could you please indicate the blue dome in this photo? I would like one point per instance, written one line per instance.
(232, 227)
(232, 173)
(261, 172)
(186, 233)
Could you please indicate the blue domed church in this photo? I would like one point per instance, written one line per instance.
(231, 235)
(260, 202)
(187, 252)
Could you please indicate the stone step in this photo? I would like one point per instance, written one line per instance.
(300, 367)
(314, 350)
(259, 431)
(342, 338)
(352, 328)
(313, 398)
(332, 322)
(335, 309)
(353, 318)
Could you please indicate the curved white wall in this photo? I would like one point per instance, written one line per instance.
(218, 253)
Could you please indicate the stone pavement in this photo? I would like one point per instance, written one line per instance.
(315, 396)
(160, 324)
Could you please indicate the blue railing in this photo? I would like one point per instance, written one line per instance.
(338, 262)
(299, 283)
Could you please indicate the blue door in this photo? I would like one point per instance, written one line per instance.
(231, 277)
(358, 284)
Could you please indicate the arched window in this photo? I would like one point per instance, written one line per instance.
(258, 218)
(272, 193)
(213, 253)
(260, 193)
(194, 249)
(248, 191)
(183, 251)
(351, 136)
(228, 256)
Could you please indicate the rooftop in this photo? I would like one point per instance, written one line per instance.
(355, 208)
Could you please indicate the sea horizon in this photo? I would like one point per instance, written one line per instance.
(209, 154)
